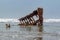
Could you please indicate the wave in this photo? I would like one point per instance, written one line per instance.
(9, 20)
(51, 20)
(16, 20)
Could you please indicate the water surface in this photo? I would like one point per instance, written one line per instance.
(49, 31)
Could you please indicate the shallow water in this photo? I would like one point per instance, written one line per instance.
(49, 31)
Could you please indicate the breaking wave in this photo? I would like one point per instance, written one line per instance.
(16, 20)
(9, 20)
(51, 20)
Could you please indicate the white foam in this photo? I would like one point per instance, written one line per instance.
(51, 20)
(16, 20)
(8, 20)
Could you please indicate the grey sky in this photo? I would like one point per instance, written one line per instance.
(20, 8)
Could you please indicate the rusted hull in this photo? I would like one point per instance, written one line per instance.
(29, 20)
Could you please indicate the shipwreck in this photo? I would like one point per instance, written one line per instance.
(29, 20)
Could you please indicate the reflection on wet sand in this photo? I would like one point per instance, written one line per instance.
(32, 29)
(28, 28)
(40, 29)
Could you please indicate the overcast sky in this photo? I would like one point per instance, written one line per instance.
(20, 8)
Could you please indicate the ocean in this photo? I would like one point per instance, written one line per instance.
(49, 31)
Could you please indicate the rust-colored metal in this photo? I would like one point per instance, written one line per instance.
(29, 20)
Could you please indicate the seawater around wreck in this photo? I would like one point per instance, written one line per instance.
(49, 31)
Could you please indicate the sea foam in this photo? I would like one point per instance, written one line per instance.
(16, 20)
